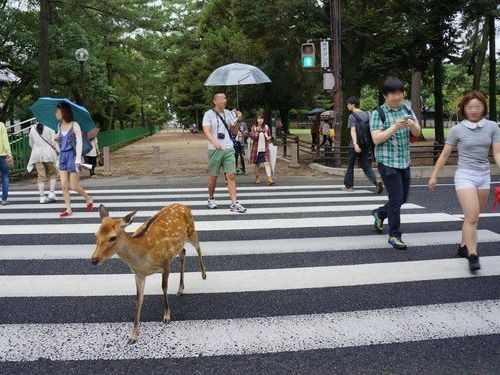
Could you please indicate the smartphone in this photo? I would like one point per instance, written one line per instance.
(409, 117)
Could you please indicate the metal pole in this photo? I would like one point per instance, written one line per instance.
(336, 35)
(82, 81)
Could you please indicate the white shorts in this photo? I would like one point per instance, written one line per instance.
(472, 179)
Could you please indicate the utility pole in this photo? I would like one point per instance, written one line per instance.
(336, 35)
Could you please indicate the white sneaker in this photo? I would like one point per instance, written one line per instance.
(211, 204)
(52, 197)
(42, 199)
(237, 208)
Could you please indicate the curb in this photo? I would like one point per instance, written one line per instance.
(416, 172)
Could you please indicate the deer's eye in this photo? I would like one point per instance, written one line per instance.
(112, 239)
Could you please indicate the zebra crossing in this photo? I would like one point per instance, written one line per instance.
(301, 271)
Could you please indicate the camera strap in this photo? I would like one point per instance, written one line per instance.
(231, 135)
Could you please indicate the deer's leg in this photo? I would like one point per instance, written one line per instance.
(196, 243)
(139, 282)
(182, 258)
(167, 315)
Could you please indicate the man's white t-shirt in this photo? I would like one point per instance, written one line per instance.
(217, 126)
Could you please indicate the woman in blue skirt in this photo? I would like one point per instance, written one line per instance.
(70, 140)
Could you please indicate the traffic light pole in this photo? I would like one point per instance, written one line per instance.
(336, 35)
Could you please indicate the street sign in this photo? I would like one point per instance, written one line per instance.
(325, 54)
(328, 81)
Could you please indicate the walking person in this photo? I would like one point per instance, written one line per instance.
(6, 162)
(218, 127)
(260, 153)
(325, 133)
(314, 134)
(360, 147)
(91, 157)
(473, 137)
(69, 137)
(391, 126)
(239, 148)
(44, 149)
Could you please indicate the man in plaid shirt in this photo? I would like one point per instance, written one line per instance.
(392, 153)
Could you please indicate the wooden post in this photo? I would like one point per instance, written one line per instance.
(295, 155)
(156, 160)
(107, 164)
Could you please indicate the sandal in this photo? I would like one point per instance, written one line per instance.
(65, 213)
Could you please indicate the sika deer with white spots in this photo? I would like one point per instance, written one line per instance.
(149, 250)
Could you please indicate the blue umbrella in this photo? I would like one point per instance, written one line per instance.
(44, 110)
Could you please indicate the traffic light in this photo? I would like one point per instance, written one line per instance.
(308, 55)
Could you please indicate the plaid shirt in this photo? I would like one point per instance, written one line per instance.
(395, 152)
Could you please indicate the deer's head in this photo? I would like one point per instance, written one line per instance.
(110, 236)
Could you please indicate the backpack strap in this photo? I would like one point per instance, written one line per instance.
(381, 115)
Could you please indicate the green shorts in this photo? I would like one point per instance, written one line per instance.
(224, 159)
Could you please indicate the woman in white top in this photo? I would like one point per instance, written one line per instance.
(44, 149)
(260, 154)
(70, 159)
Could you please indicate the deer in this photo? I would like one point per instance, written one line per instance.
(150, 249)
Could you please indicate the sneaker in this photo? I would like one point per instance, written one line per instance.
(379, 223)
(379, 187)
(237, 208)
(462, 251)
(6, 203)
(211, 204)
(397, 243)
(349, 190)
(52, 197)
(474, 263)
(43, 199)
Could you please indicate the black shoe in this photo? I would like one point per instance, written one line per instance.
(463, 252)
(474, 263)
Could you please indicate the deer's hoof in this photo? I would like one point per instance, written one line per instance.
(204, 276)
(179, 293)
(132, 340)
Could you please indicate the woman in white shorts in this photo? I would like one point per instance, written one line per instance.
(473, 137)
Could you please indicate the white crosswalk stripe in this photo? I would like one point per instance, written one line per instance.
(294, 239)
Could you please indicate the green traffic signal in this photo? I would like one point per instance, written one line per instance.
(308, 62)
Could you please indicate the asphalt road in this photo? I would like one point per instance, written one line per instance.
(301, 285)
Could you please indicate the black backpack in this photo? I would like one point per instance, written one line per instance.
(381, 112)
(363, 132)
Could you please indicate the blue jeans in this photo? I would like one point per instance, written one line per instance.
(4, 170)
(397, 184)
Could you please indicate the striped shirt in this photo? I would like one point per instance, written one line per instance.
(395, 152)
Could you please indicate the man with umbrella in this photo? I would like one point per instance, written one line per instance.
(219, 126)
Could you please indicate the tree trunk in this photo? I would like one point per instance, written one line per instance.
(492, 71)
(416, 88)
(438, 99)
(110, 77)
(481, 53)
(43, 52)
(284, 112)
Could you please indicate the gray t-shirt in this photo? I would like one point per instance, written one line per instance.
(474, 144)
(217, 126)
(351, 122)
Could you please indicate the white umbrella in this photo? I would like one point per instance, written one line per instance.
(237, 74)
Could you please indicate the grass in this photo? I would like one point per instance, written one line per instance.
(428, 133)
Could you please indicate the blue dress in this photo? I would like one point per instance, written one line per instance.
(67, 158)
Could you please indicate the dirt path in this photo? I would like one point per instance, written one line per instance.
(180, 154)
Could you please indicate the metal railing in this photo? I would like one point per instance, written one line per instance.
(327, 155)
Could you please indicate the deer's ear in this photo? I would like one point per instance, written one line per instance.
(103, 211)
(127, 220)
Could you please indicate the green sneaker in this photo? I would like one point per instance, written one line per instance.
(379, 223)
(397, 243)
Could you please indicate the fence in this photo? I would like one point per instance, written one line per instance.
(421, 154)
(21, 149)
